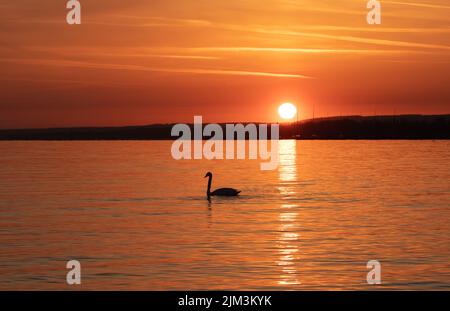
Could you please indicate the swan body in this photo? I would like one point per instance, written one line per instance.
(223, 192)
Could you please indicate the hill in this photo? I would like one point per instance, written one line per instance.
(347, 127)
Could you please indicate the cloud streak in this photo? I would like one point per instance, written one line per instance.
(421, 5)
(354, 39)
(90, 65)
(191, 53)
(347, 38)
(302, 50)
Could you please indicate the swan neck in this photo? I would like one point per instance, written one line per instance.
(208, 192)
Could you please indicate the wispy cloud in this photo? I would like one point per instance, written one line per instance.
(122, 53)
(72, 82)
(238, 73)
(191, 53)
(414, 61)
(311, 31)
(305, 31)
(380, 29)
(91, 65)
(303, 50)
(355, 39)
(421, 5)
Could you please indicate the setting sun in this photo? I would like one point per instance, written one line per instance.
(287, 111)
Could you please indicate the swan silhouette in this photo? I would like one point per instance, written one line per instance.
(223, 192)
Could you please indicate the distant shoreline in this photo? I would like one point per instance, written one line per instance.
(399, 127)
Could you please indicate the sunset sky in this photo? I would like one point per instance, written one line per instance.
(151, 61)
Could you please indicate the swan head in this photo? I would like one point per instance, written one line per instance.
(209, 174)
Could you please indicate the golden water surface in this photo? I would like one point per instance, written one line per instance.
(138, 220)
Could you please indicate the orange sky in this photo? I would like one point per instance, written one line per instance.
(141, 61)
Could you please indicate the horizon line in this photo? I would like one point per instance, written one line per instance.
(286, 122)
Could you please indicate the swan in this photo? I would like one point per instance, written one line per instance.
(224, 192)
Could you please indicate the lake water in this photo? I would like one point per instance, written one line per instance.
(137, 219)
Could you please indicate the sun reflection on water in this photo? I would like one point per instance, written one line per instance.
(288, 241)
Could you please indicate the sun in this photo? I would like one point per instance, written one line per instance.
(287, 111)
